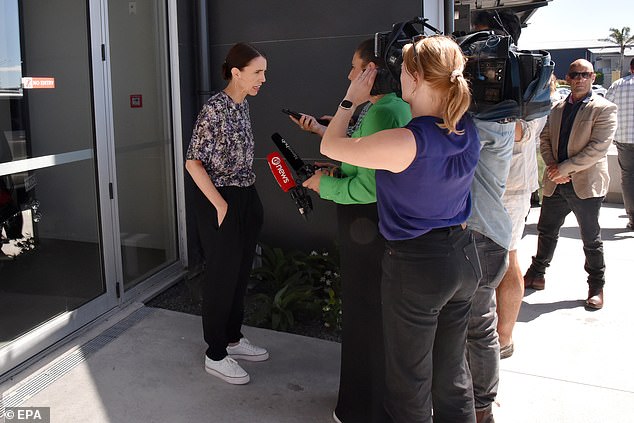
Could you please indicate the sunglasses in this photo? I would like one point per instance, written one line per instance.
(584, 75)
(419, 37)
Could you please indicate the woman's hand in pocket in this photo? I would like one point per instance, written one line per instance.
(221, 210)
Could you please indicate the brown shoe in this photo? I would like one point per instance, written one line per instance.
(535, 282)
(595, 299)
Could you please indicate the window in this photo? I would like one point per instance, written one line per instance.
(10, 60)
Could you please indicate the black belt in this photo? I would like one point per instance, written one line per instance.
(448, 228)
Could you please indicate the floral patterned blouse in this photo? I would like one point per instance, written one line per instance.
(223, 141)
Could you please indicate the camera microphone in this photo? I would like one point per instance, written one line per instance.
(282, 175)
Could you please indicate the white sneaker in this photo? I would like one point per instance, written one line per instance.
(227, 369)
(247, 351)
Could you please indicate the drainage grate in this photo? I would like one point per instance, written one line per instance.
(41, 380)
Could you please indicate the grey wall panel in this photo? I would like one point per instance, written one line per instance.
(289, 19)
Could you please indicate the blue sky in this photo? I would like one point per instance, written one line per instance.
(580, 21)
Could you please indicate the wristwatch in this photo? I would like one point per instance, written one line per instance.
(346, 104)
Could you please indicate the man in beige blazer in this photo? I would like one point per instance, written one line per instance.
(574, 145)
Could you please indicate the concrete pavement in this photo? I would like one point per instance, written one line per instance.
(146, 365)
(570, 364)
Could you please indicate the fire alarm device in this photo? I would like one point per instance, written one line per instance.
(136, 100)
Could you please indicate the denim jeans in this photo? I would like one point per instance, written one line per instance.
(553, 213)
(626, 163)
(427, 286)
(483, 347)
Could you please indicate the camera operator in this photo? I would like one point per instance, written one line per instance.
(491, 227)
(484, 347)
(430, 265)
(498, 298)
(361, 385)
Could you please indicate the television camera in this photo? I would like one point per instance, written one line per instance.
(506, 83)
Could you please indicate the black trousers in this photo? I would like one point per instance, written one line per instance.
(229, 251)
(427, 288)
(553, 214)
(362, 379)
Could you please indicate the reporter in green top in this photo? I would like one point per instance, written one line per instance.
(361, 384)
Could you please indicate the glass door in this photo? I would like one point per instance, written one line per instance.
(143, 140)
(52, 258)
(88, 213)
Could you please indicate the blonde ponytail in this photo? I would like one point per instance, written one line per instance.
(439, 60)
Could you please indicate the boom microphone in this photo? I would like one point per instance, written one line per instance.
(285, 180)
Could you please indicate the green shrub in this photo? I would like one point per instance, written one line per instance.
(599, 78)
(292, 286)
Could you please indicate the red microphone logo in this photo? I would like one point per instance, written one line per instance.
(280, 171)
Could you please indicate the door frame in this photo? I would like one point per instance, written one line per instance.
(176, 270)
(31, 346)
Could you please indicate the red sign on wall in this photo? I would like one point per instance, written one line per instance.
(136, 100)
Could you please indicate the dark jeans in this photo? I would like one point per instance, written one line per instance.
(229, 251)
(553, 213)
(626, 163)
(483, 347)
(427, 286)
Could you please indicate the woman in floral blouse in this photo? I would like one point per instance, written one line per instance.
(228, 211)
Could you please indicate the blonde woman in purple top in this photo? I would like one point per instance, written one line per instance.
(430, 265)
(228, 211)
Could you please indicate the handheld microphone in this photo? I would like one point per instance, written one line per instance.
(303, 170)
(285, 180)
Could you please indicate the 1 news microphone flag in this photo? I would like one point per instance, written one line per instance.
(280, 171)
(282, 175)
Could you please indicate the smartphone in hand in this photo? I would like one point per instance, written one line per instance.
(292, 113)
(297, 115)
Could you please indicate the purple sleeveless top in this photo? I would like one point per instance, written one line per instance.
(434, 191)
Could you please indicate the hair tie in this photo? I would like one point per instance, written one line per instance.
(455, 74)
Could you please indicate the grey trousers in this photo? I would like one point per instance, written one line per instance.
(626, 163)
(483, 347)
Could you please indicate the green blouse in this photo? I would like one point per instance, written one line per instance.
(357, 186)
